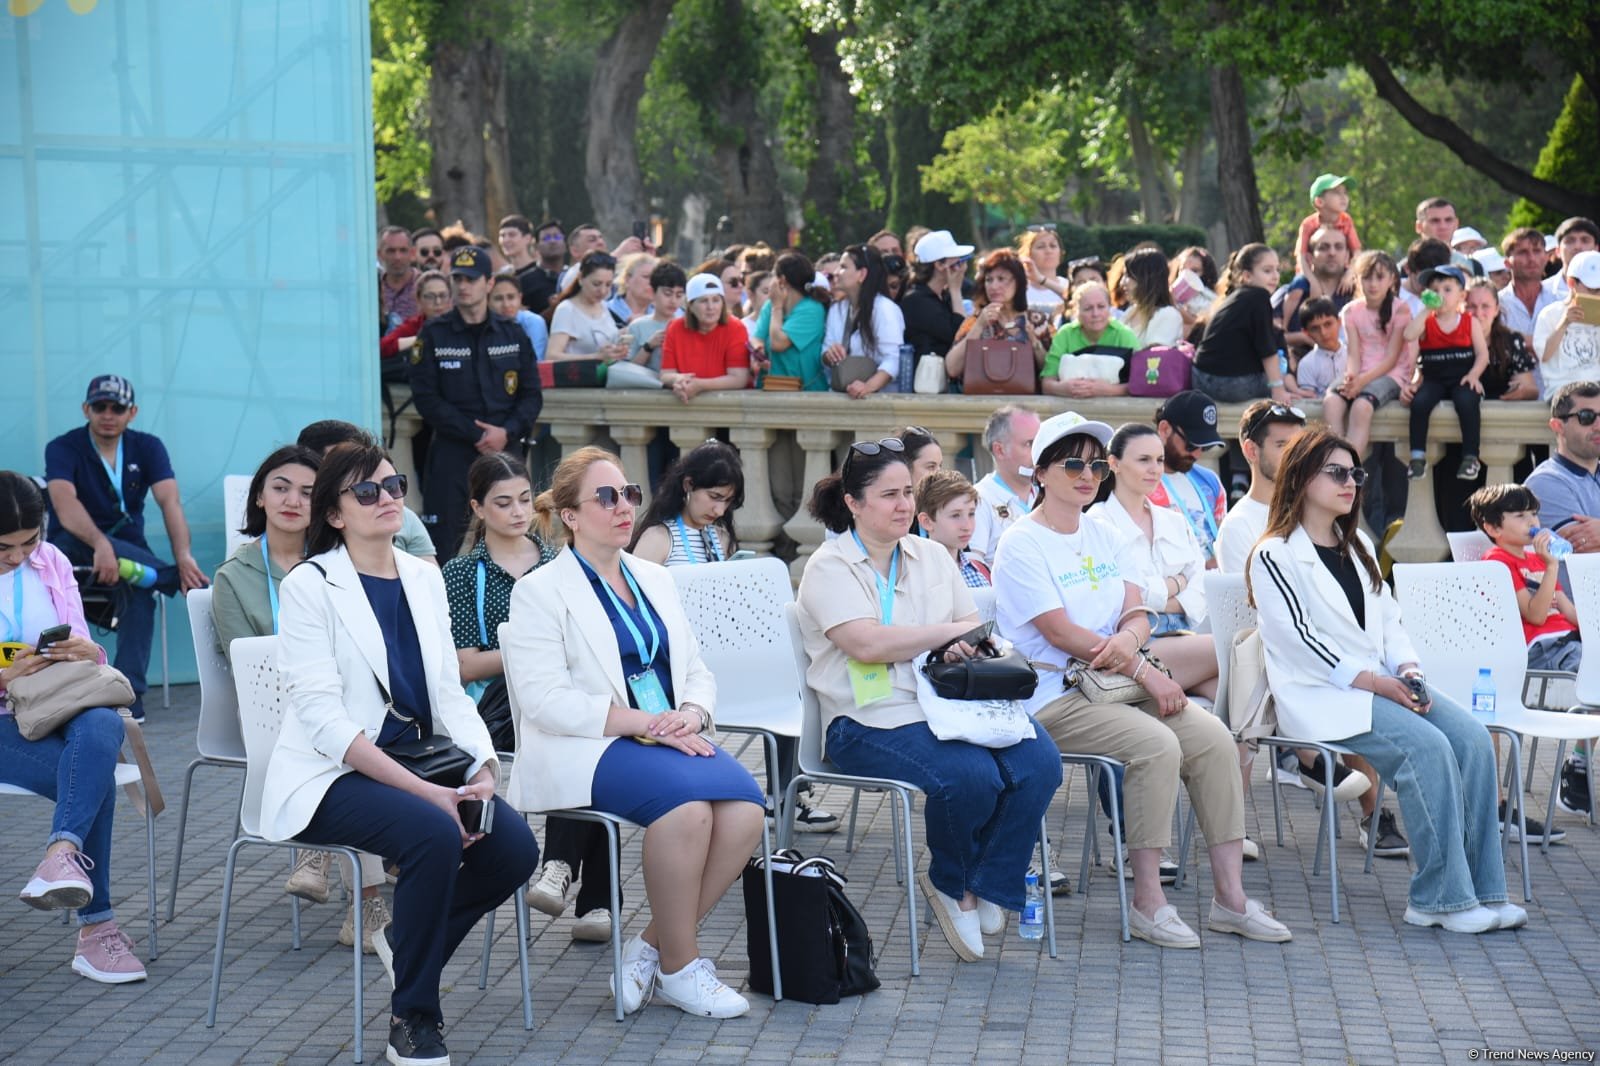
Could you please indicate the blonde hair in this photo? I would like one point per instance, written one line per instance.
(1077, 296)
(629, 265)
(565, 492)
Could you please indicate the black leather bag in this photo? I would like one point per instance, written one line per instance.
(992, 674)
(494, 707)
(434, 759)
(824, 948)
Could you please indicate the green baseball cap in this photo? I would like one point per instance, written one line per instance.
(1325, 182)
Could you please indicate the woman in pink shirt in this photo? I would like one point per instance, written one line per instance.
(1379, 362)
(73, 766)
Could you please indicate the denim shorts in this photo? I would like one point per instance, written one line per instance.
(1380, 391)
(1241, 389)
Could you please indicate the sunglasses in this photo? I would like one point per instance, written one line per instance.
(556, 237)
(1586, 417)
(1043, 227)
(430, 253)
(366, 492)
(434, 297)
(1277, 410)
(607, 496)
(1344, 475)
(1099, 469)
(100, 407)
(872, 447)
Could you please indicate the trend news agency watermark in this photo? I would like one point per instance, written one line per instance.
(1529, 1054)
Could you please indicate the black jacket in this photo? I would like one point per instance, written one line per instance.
(461, 372)
(930, 324)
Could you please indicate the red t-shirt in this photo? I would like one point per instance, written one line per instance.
(1312, 222)
(705, 355)
(1527, 573)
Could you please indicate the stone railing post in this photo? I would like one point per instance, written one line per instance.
(804, 530)
(758, 521)
(632, 442)
(572, 435)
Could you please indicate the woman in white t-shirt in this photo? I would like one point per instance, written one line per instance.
(1169, 558)
(1067, 590)
(866, 322)
(580, 325)
(1151, 314)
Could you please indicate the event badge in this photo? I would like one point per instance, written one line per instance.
(647, 692)
(870, 682)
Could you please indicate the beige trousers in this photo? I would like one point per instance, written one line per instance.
(1192, 745)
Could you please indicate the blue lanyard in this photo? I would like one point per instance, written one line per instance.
(885, 588)
(115, 474)
(627, 616)
(483, 630)
(1205, 511)
(272, 589)
(1026, 507)
(714, 546)
(14, 630)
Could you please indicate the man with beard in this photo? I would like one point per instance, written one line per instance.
(1187, 424)
(1330, 261)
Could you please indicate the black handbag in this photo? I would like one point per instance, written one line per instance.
(991, 674)
(494, 707)
(824, 947)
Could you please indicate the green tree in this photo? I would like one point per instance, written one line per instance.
(400, 98)
(1568, 159)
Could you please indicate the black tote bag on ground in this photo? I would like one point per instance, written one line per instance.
(823, 943)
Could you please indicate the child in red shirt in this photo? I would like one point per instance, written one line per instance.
(1452, 355)
(1331, 198)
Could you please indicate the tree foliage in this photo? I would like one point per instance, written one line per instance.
(1569, 158)
(400, 96)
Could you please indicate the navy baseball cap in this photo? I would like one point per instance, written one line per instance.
(111, 387)
(471, 261)
(1433, 274)
(1195, 415)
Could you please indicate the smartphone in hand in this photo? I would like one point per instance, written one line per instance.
(52, 635)
(476, 816)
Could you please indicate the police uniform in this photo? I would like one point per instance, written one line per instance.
(460, 373)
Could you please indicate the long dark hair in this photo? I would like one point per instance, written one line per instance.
(1006, 262)
(799, 274)
(1368, 262)
(1304, 459)
(484, 474)
(827, 504)
(713, 465)
(866, 257)
(21, 505)
(1240, 264)
(255, 517)
(342, 466)
(596, 260)
(1147, 268)
(1500, 339)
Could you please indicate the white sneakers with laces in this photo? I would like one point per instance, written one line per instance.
(696, 989)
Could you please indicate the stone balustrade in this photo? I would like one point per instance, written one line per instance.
(782, 436)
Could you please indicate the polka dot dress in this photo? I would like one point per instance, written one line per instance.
(461, 586)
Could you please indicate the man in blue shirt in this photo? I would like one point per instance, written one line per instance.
(98, 476)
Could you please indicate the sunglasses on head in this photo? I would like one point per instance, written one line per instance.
(1344, 475)
(100, 407)
(873, 447)
(1585, 417)
(608, 495)
(1277, 410)
(1099, 469)
(1043, 227)
(366, 492)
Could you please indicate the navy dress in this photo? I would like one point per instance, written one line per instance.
(642, 782)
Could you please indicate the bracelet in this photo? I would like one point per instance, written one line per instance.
(1275, 384)
(1144, 664)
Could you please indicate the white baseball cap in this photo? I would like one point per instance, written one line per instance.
(1490, 259)
(1465, 234)
(1585, 267)
(1066, 424)
(938, 245)
(702, 285)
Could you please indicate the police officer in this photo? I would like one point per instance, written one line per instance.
(475, 384)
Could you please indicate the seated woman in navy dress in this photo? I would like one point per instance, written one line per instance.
(614, 699)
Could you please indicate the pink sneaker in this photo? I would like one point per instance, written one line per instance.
(106, 955)
(62, 880)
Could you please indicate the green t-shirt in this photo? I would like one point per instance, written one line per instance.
(1117, 339)
(803, 359)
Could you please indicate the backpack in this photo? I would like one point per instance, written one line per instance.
(1251, 714)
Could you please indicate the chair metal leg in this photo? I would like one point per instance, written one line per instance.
(1049, 897)
(222, 931)
(1117, 842)
(520, 908)
(772, 914)
(901, 868)
(850, 833)
(614, 842)
(488, 938)
(150, 846)
(166, 672)
(1330, 832)
(1185, 842)
(1090, 844)
(1372, 834)
(359, 1006)
(294, 907)
(786, 824)
(1522, 822)
(1550, 804)
(1272, 777)
(1533, 753)
(183, 823)
(911, 889)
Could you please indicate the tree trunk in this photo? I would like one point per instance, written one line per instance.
(500, 197)
(823, 201)
(913, 142)
(458, 111)
(1144, 163)
(1188, 198)
(751, 196)
(1474, 153)
(1236, 169)
(611, 159)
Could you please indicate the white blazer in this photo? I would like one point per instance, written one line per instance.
(331, 655)
(561, 654)
(1314, 648)
(1173, 551)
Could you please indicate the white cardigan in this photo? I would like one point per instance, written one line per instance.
(562, 658)
(1173, 551)
(1314, 648)
(331, 655)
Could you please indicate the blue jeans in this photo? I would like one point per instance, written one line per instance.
(442, 891)
(1441, 765)
(983, 805)
(137, 623)
(73, 766)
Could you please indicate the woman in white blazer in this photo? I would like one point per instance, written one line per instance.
(1338, 663)
(613, 698)
(365, 652)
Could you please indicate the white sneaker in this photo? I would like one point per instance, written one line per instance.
(640, 965)
(991, 918)
(549, 893)
(1252, 850)
(960, 927)
(697, 990)
(594, 927)
(1471, 920)
(1511, 916)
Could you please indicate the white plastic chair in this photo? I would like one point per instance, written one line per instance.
(1228, 607)
(124, 774)
(1468, 546)
(614, 825)
(235, 498)
(1583, 574)
(815, 767)
(217, 738)
(1472, 622)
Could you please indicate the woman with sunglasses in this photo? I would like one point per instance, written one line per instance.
(367, 661)
(872, 603)
(1342, 669)
(580, 325)
(614, 701)
(1069, 591)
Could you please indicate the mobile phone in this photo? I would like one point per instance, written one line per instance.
(972, 637)
(641, 229)
(52, 635)
(741, 555)
(1418, 687)
(476, 816)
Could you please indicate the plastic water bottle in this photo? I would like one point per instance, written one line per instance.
(1032, 924)
(1283, 362)
(136, 574)
(908, 368)
(1483, 695)
(1560, 546)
